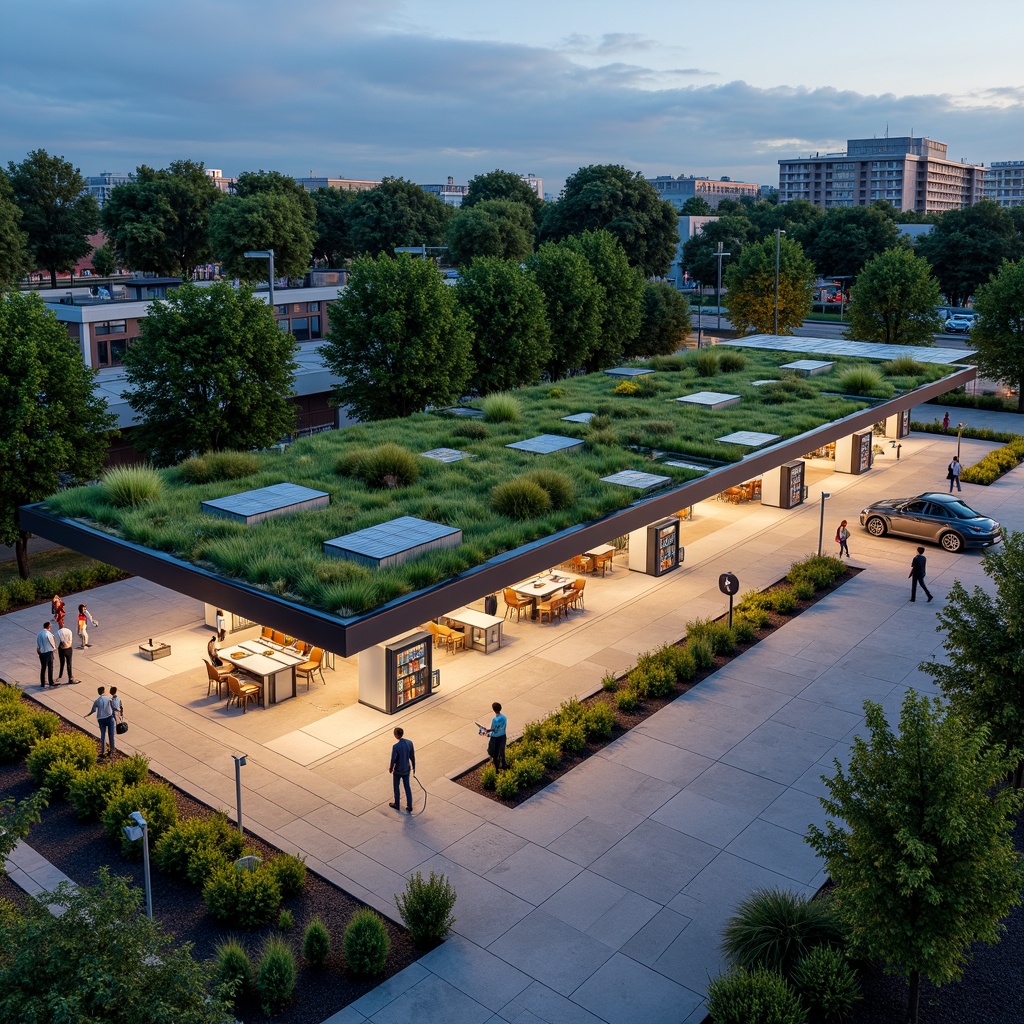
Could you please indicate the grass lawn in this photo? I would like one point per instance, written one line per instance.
(284, 555)
(51, 562)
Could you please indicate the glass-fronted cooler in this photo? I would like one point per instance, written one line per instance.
(393, 676)
(655, 549)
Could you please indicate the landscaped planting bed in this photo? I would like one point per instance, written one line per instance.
(374, 473)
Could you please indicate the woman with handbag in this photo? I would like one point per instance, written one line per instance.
(120, 725)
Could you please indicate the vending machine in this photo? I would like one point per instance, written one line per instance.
(783, 487)
(655, 549)
(395, 675)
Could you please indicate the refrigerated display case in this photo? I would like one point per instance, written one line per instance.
(655, 549)
(783, 487)
(393, 676)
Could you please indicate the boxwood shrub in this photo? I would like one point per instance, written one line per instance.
(72, 748)
(155, 801)
(366, 943)
(248, 899)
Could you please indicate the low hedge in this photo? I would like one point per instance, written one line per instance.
(19, 593)
(974, 433)
(991, 402)
(995, 464)
(20, 726)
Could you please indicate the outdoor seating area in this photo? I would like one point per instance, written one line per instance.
(749, 491)
(549, 596)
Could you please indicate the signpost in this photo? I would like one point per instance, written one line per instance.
(728, 584)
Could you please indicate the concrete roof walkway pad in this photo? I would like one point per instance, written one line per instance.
(602, 898)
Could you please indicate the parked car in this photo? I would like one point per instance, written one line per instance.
(959, 323)
(934, 517)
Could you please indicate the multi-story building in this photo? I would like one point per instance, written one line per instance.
(1004, 182)
(101, 185)
(910, 173)
(312, 183)
(217, 177)
(713, 190)
(449, 193)
(536, 185)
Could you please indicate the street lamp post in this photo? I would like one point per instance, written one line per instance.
(959, 432)
(140, 830)
(240, 762)
(821, 520)
(700, 306)
(718, 291)
(264, 254)
(778, 244)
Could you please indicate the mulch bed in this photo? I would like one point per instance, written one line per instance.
(80, 848)
(470, 779)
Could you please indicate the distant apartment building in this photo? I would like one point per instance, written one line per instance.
(217, 177)
(99, 186)
(1004, 182)
(536, 185)
(909, 173)
(449, 193)
(311, 184)
(713, 190)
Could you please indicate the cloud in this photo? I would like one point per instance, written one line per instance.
(608, 44)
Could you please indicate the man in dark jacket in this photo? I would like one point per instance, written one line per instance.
(917, 571)
(403, 760)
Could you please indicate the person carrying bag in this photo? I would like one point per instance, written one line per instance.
(120, 725)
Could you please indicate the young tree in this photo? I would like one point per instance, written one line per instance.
(573, 299)
(613, 198)
(511, 335)
(398, 340)
(397, 212)
(331, 226)
(104, 261)
(493, 227)
(622, 288)
(921, 848)
(210, 371)
(751, 283)
(51, 422)
(263, 220)
(57, 214)
(984, 640)
(699, 257)
(13, 252)
(846, 237)
(501, 185)
(100, 959)
(894, 300)
(160, 221)
(665, 323)
(998, 333)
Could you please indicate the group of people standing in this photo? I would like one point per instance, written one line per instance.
(61, 642)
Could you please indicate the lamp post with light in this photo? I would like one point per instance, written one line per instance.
(778, 244)
(959, 433)
(134, 832)
(240, 762)
(718, 291)
(821, 520)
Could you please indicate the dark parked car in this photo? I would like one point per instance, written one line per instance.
(935, 517)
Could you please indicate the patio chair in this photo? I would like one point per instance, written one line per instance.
(435, 630)
(579, 563)
(278, 637)
(266, 633)
(315, 664)
(242, 693)
(553, 608)
(603, 562)
(517, 602)
(215, 676)
(453, 639)
(575, 598)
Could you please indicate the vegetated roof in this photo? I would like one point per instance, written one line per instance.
(643, 430)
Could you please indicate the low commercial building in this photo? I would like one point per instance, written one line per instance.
(712, 190)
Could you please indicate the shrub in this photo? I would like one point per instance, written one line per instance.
(501, 407)
(290, 872)
(366, 943)
(60, 776)
(17, 737)
(131, 486)
(702, 651)
(679, 660)
(626, 388)
(45, 723)
(804, 590)
(506, 785)
(743, 629)
(488, 776)
(774, 928)
(784, 600)
(627, 700)
(195, 848)
(92, 790)
(471, 429)
(249, 899)
(214, 466)
(385, 467)
(520, 499)
(285, 921)
(706, 363)
(860, 380)
(550, 754)
(732, 362)
(72, 747)
(821, 570)
(426, 907)
(233, 970)
(155, 800)
(600, 721)
(316, 943)
(530, 770)
(275, 975)
(609, 684)
(753, 997)
(995, 464)
(826, 983)
(717, 634)
(556, 393)
(572, 737)
(559, 487)
(649, 387)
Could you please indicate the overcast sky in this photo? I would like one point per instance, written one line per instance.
(365, 88)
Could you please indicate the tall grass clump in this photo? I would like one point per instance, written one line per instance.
(131, 486)
(559, 487)
(520, 499)
(732, 362)
(860, 380)
(214, 466)
(707, 363)
(502, 407)
(386, 467)
(904, 366)
(232, 970)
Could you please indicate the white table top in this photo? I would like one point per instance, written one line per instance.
(601, 549)
(473, 618)
(257, 663)
(286, 654)
(547, 586)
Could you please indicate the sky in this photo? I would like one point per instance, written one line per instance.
(367, 88)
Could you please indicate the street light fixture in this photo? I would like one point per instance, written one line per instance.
(264, 254)
(718, 291)
(700, 306)
(778, 243)
(240, 762)
(821, 520)
(140, 830)
(959, 432)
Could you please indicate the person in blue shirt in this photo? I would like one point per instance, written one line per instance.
(496, 744)
(403, 760)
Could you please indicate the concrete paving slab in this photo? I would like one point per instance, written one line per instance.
(623, 991)
(533, 873)
(586, 841)
(539, 1004)
(477, 972)
(484, 848)
(651, 941)
(778, 849)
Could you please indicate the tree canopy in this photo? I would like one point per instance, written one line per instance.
(398, 340)
(395, 213)
(51, 422)
(664, 324)
(846, 237)
(613, 198)
(511, 335)
(967, 247)
(492, 227)
(573, 299)
(263, 219)
(699, 258)
(751, 283)
(57, 215)
(331, 225)
(998, 333)
(160, 221)
(501, 185)
(894, 300)
(100, 961)
(696, 206)
(920, 842)
(210, 371)
(13, 252)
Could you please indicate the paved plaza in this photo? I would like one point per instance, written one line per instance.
(602, 898)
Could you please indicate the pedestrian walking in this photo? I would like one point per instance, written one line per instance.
(496, 743)
(842, 539)
(918, 568)
(57, 611)
(85, 620)
(65, 649)
(945, 423)
(222, 625)
(403, 760)
(953, 474)
(117, 707)
(46, 644)
(104, 712)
